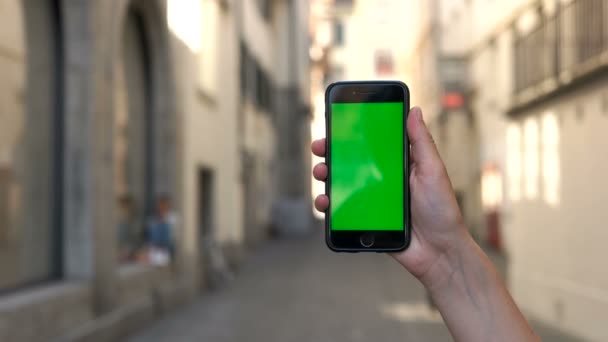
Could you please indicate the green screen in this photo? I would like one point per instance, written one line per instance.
(367, 166)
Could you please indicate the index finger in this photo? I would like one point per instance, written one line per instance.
(318, 147)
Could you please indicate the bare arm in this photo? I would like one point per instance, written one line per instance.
(469, 293)
(473, 299)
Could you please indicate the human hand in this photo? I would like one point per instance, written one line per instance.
(437, 223)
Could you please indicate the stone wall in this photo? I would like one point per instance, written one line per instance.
(92, 295)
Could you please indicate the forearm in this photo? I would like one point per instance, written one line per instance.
(473, 299)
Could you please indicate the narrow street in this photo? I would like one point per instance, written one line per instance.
(298, 291)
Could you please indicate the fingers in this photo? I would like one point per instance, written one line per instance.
(424, 151)
(320, 172)
(318, 147)
(322, 203)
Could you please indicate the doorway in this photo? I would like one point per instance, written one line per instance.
(205, 227)
(205, 204)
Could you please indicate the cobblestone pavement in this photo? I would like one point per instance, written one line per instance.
(297, 290)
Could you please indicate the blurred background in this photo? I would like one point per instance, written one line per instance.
(155, 168)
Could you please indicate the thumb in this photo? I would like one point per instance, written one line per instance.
(424, 151)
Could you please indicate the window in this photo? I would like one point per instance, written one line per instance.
(491, 187)
(133, 141)
(30, 179)
(263, 97)
(531, 158)
(514, 163)
(344, 3)
(259, 86)
(550, 159)
(244, 58)
(338, 33)
(265, 7)
(256, 85)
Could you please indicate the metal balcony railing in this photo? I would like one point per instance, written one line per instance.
(573, 40)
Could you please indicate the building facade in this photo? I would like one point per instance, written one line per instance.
(428, 51)
(513, 92)
(322, 38)
(440, 82)
(367, 40)
(275, 119)
(537, 76)
(114, 109)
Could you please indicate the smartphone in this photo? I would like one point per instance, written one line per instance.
(367, 156)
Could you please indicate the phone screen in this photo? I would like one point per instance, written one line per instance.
(367, 166)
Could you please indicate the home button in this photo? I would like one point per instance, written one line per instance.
(367, 240)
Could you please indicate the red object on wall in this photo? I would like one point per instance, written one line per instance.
(452, 100)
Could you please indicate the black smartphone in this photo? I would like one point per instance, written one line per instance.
(367, 157)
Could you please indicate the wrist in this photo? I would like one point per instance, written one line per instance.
(448, 262)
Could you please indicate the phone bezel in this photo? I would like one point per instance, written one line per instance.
(360, 92)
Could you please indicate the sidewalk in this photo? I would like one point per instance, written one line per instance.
(297, 290)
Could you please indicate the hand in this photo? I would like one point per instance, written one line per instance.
(437, 223)
(462, 281)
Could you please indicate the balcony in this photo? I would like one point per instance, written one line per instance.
(562, 51)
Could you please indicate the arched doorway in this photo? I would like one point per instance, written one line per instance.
(31, 140)
(134, 123)
(142, 126)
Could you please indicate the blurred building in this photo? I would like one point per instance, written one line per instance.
(513, 93)
(542, 114)
(322, 25)
(368, 40)
(420, 43)
(356, 40)
(109, 107)
(439, 78)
